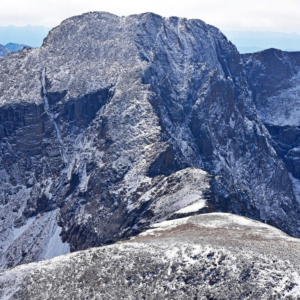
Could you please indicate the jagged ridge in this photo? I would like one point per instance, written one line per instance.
(211, 256)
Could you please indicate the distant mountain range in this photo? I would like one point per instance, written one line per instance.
(11, 47)
(28, 35)
(3, 51)
(250, 41)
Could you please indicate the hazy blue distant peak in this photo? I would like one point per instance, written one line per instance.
(13, 47)
(251, 41)
(27, 26)
(27, 35)
(261, 34)
(249, 49)
(3, 51)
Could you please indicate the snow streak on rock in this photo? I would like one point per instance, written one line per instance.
(47, 109)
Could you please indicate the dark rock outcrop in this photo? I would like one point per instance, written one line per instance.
(273, 76)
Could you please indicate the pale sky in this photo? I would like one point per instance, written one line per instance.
(254, 15)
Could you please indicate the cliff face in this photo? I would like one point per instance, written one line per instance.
(119, 122)
(274, 78)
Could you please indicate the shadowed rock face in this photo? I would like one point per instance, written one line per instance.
(119, 122)
(210, 256)
(273, 76)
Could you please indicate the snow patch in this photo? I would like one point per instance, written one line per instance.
(55, 246)
(165, 225)
(192, 208)
(17, 232)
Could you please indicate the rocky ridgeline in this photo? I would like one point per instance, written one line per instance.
(119, 122)
(210, 256)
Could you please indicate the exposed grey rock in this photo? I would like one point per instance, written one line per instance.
(274, 78)
(119, 122)
(210, 256)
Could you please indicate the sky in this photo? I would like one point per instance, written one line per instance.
(241, 15)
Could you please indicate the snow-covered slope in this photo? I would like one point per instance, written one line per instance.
(119, 122)
(210, 256)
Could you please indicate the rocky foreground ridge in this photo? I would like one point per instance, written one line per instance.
(117, 123)
(210, 256)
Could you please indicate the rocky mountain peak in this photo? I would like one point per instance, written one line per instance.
(119, 122)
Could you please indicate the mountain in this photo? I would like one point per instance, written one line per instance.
(3, 51)
(13, 47)
(250, 49)
(210, 256)
(27, 35)
(275, 82)
(245, 41)
(250, 41)
(117, 123)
